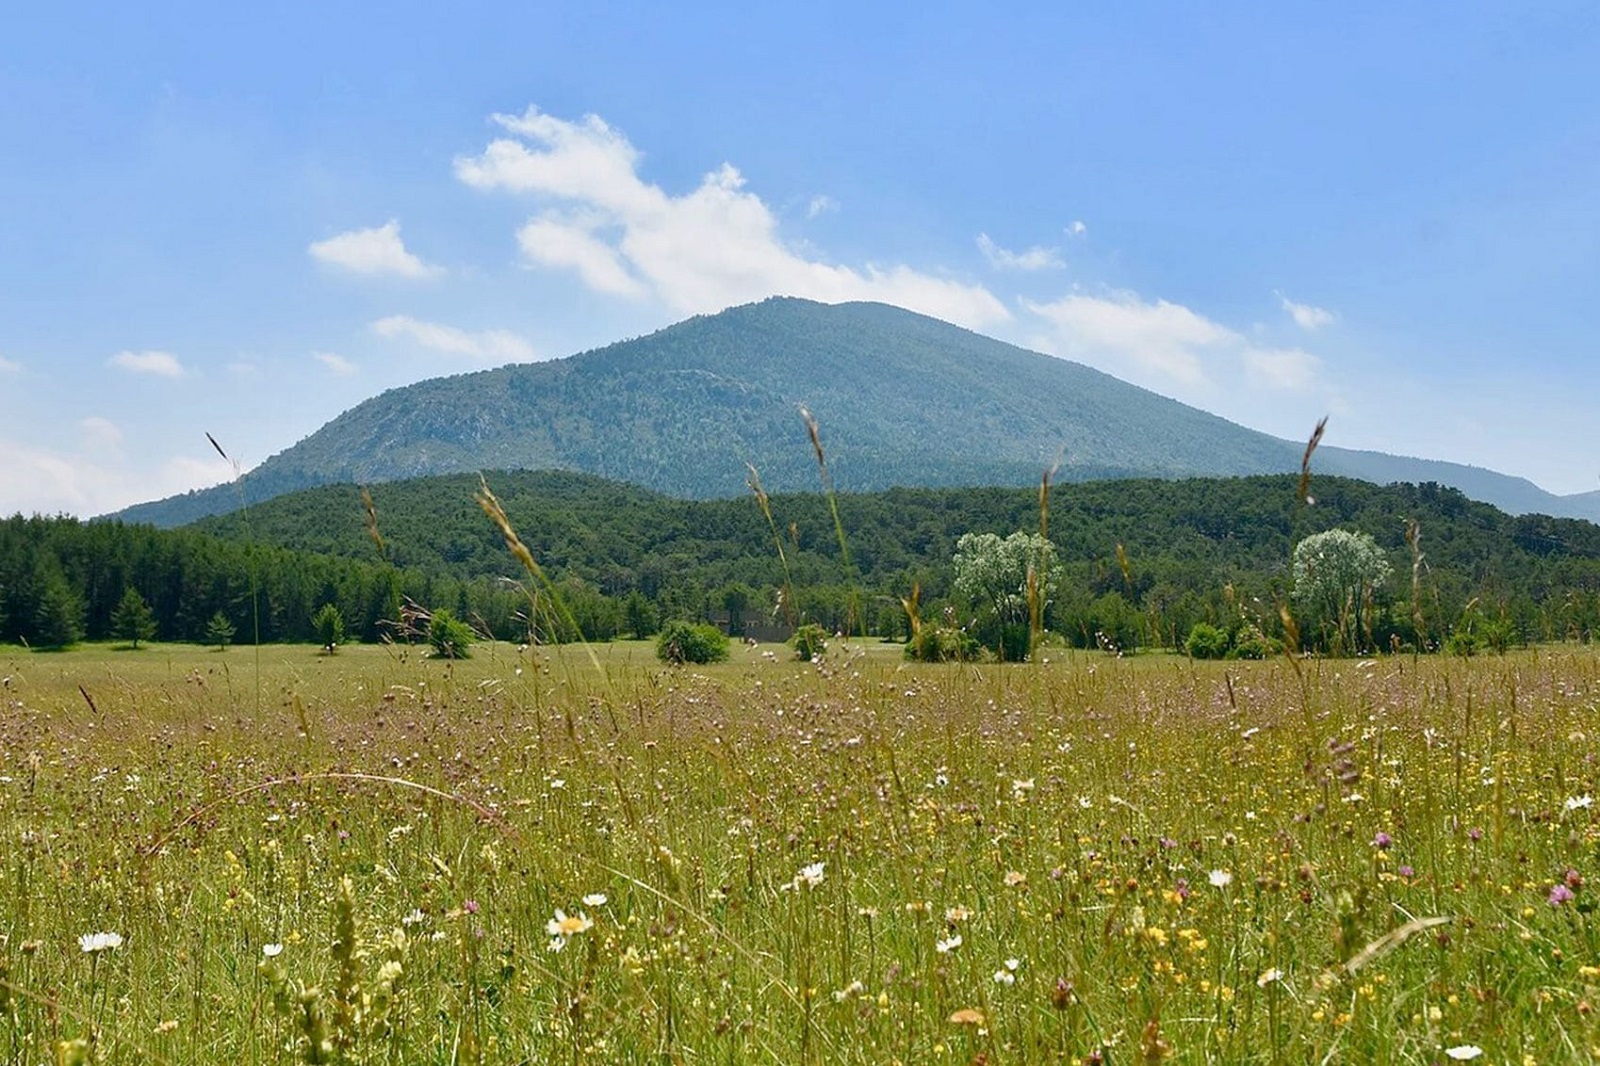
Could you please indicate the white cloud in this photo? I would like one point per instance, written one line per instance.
(373, 252)
(495, 345)
(710, 248)
(1284, 368)
(100, 432)
(1305, 315)
(554, 242)
(1165, 338)
(36, 480)
(1168, 346)
(1035, 258)
(1077, 229)
(161, 364)
(336, 364)
(9, 366)
(821, 205)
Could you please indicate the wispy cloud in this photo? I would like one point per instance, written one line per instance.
(1306, 316)
(100, 432)
(1168, 346)
(95, 480)
(1077, 228)
(1035, 258)
(1284, 368)
(1165, 338)
(336, 364)
(821, 205)
(495, 345)
(9, 366)
(160, 364)
(702, 251)
(377, 251)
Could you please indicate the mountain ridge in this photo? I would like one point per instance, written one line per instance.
(901, 398)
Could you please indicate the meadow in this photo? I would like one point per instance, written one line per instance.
(547, 855)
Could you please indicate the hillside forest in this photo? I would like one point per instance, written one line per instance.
(1141, 562)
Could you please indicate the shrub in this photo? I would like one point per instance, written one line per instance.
(939, 644)
(682, 642)
(328, 624)
(1206, 641)
(450, 636)
(1251, 643)
(809, 642)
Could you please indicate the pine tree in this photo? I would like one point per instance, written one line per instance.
(132, 619)
(58, 615)
(219, 631)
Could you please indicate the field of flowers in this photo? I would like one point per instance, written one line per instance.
(523, 858)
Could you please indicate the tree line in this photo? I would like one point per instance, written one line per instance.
(1137, 563)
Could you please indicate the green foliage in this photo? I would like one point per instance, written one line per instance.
(450, 637)
(640, 615)
(58, 614)
(809, 642)
(1206, 641)
(1338, 576)
(652, 410)
(996, 574)
(328, 624)
(1115, 624)
(133, 620)
(691, 642)
(1475, 632)
(219, 631)
(654, 557)
(942, 644)
(1250, 643)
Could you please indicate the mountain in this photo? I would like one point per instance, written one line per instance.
(901, 399)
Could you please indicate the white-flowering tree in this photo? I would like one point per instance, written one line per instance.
(997, 573)
(1338, 576)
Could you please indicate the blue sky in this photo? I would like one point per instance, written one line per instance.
(244, 220)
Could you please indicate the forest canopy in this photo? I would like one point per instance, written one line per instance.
(1140, 562)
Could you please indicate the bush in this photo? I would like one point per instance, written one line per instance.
(941, 644)
(1016, 639)
(1206, 641)
(809, 642)
(328, 624)
(1251, 643)
(682, 642)
(450, 636)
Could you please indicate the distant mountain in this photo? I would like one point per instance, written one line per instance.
(901, 399)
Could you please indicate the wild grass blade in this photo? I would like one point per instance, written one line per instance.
(255, 580)
(854, 619)
(763, 501)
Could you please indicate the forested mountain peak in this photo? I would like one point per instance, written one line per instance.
(902, 400)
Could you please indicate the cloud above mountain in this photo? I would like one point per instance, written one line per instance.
(716, 245)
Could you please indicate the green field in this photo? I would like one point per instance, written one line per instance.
(864, 861)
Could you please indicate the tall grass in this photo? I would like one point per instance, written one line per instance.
(1116, 859)
(854, 620)
(255, 579)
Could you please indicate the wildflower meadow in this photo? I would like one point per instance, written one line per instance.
(562, 856)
